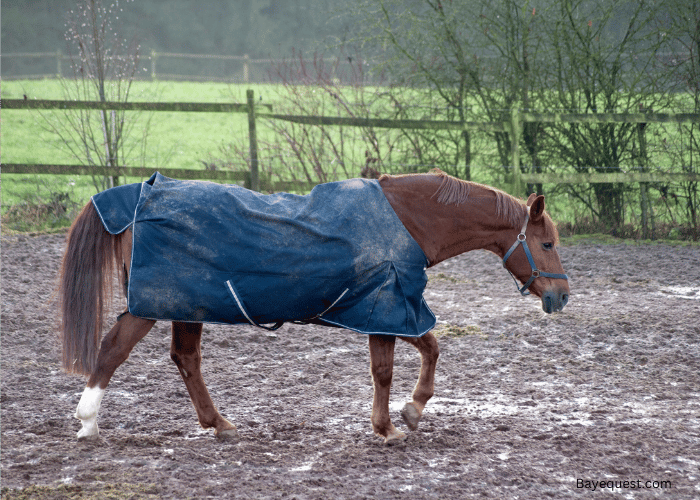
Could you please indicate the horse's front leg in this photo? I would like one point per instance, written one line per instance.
(381, 353)
(114, 350)
(186, 352)
(428, 347)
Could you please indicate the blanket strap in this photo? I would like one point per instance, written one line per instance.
(245, 313)
(334, 303)
(275, 326)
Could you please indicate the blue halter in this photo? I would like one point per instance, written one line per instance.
(536, 273)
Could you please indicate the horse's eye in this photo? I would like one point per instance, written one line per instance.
(547, 246)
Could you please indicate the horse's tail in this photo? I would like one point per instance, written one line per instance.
(85, 289)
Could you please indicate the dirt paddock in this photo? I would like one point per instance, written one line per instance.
(603, 398)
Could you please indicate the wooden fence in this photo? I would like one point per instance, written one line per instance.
(251, 177)
(244, 76)
(255, 111)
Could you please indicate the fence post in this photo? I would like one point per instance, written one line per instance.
(647, 209)
(516, 132)
(153, 64)
(254, 177)
(59, 56)
(246, 68)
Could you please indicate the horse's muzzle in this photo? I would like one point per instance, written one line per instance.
(554, 301)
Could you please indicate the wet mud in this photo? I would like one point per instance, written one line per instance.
(601, 398)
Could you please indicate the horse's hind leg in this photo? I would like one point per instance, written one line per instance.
(428, 347)
(185, 351)
(114, 350)
(381, 353)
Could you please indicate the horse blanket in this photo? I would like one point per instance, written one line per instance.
(206, 252)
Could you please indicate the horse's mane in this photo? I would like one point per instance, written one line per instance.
(453, 191)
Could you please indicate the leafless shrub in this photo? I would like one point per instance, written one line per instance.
(104, 66)
(340, 87)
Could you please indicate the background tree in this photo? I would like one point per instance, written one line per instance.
(575, 56)
(679, 25)
(104, 66)
(259, 28)
(424, 46)
(514, 43)
(479, 59)
(604, 61)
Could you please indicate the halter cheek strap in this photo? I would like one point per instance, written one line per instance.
(536, 273)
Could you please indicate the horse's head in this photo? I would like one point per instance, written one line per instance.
(534, 260)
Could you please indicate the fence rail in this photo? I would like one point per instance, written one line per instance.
(52, 169)
(197, 107)
(610, 117)
(246, 61)
(388, 123)
(245, 76)
(256, 111)
(231, 176)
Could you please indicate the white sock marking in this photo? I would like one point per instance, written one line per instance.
(87, 411)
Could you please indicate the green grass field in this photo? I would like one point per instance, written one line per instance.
(184, 140)
(174, 140)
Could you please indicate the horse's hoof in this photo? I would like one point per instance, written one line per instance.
(90, 431)
(227, 434)
(88, 434)
(411, 416)
(394, 437)
(92, 438)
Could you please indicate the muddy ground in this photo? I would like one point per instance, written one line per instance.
(527, 405)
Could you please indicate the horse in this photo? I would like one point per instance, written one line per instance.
(444, 215)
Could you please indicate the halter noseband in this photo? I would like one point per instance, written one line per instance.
(536, 273)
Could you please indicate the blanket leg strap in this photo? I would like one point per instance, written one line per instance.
(239, 302)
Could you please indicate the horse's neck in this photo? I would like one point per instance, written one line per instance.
(441, 230)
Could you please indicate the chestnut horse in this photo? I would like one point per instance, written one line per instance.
(445, 216)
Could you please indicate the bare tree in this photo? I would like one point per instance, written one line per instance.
(338, 87)
(480, 59)
(424, 48)
(104, 66)
(604, 61)
(679, 25)
(578, 56)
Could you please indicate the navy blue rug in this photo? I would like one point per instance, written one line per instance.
(206, 252)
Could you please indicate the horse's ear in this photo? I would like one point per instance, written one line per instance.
(531, 198)
(536, 207)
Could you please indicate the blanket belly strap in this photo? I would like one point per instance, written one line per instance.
(239, 303)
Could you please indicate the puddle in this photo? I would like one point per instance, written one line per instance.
(681, 292)
(121, 394)
(500, 406)
(461, 406)
(198, 434)
(348, 423)
(302, 468)
(306, 465)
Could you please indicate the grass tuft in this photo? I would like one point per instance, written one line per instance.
(447, 330)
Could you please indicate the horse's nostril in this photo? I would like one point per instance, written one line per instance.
(564, 299)
(547, 304)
